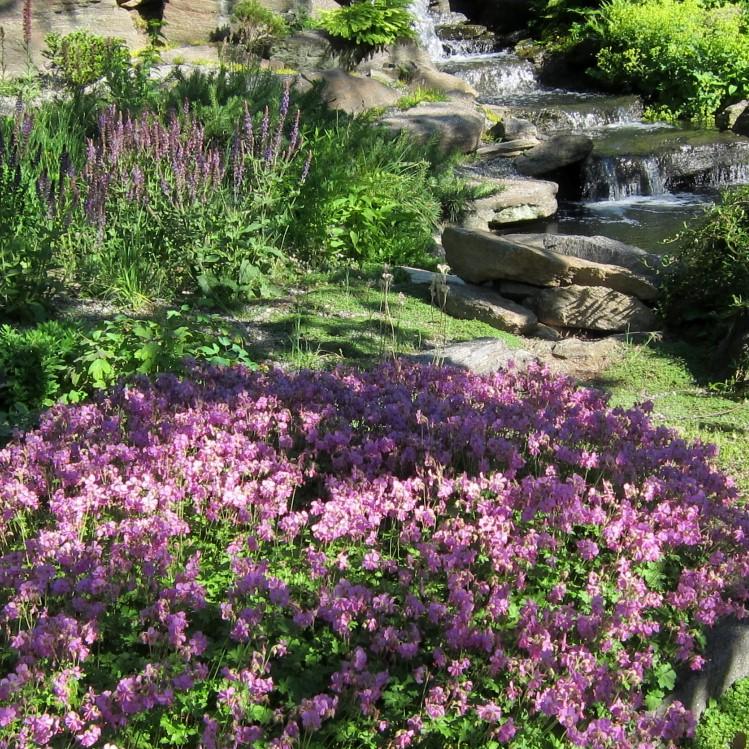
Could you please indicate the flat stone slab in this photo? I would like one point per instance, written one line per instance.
(597, 249)
(478, 256)
(452, 126)
(482, 355)
(553, 154)
(593, 308)
(474, 303)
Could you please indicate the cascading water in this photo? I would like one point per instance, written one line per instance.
(426, 29)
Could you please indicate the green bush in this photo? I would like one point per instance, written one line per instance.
(80, 59)
(684, 54)
(54, 362)
(725, 719)
(256, 27)
(370, 23)
(368, 198)
(33, 367)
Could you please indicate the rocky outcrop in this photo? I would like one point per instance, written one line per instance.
(516, 201)
(420, 75)
(593, 308)
(105, 17)
(307, 51)
(480, 256)
(191, 21)
(467, 302)
(355, 94)
(512, 128)
(553, 154)
(453, 127)
(734, 117)
(597, 249)
(482, 355)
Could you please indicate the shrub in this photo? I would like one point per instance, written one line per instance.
(26, 229)
(372, 201)
(370, 23)
(33, 367)
(710, 272)
(256, 27)
(53, 362)
(725, 719)
(686, 55)
(403, 557)
(80, 59)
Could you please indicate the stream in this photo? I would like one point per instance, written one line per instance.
(642, 181)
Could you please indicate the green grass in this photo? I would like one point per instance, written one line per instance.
(343, 319)
(420, 96)
(675, 377)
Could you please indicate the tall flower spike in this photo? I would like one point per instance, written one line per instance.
(26, 13)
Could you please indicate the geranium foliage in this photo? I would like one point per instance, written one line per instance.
(409, 556)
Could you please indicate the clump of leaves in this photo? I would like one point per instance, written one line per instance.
(726, 720)
(420, 96)
(370, 23)
(255, 27)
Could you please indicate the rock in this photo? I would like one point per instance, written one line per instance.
(478, 256)
(727, 655)
(427, 76)
(597, 249)
(518, 291)
(355, 94)
(457, 32)
(62, 16)
(553, 154)
(524, 200)
(508, 149)
(482, 355)
(726, 119)
(306, 51)
(545, 333)
(593, 308)
(203, 54)
(426, 277)
(513, 128)
(454, 127)
(474, 303)
(191, 21)
(573, 349)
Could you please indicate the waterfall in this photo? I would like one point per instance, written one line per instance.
(224, 13)
(618, 178)
(425, 29)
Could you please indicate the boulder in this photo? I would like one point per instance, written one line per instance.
(474, 303)
(426, 277)
(513, 128)
(482, 355)
(597, 249)
(421, 75)
(593, 308)
(508, 149)
(355, 94)
(516, 201)
(479, 256)
(555, 153)
(306, 51)
(191, 21)
(727, 118)
(727, 656)
(458, 32)
(105, 17)
(453, 127)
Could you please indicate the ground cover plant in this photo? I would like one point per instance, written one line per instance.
(410, 556)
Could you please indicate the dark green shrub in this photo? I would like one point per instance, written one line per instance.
(34, 365)
(725, 719)
(256, 27)
(80, 59)
(368, 198)
(370, 23)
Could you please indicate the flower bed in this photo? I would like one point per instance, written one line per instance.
(402, 557)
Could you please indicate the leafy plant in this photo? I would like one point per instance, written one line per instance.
(34, 364)
(420, 96)
(725, 720)
(80, 58)
(255, 27)
(370, 23)
(689, 56)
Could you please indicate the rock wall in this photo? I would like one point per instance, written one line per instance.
(62, 16)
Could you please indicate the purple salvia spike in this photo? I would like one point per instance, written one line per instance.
(307, 165)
